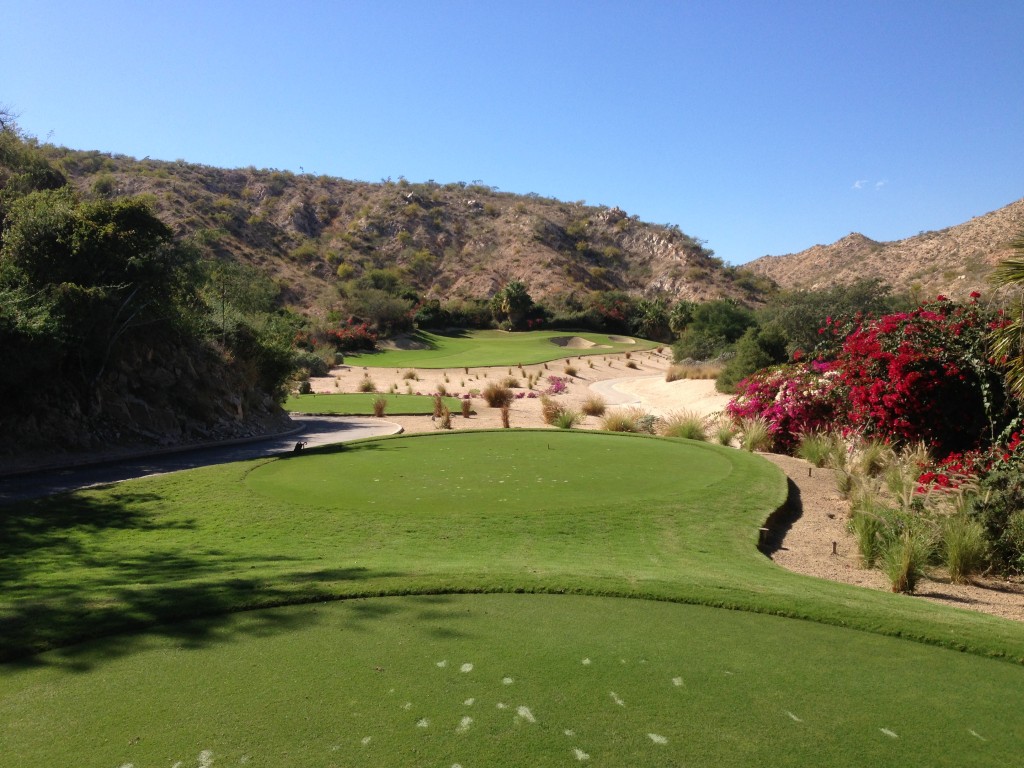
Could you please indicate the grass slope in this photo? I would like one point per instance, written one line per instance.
(514, 680)
(360, 404)
(477, 349)
(521, 511)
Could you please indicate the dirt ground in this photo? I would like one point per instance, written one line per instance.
(808, 544)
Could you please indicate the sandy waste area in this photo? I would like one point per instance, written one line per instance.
(808, 545)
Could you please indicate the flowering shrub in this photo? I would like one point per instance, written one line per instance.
(353, 337)
(557, 384)
(794, 400)
(923, 375)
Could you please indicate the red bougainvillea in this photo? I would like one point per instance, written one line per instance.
(922, 375)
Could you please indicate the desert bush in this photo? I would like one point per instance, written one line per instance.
(964, 547)
(444, 418)
(571, 370)
(631, 364)
(594, 405)
(411, 376)
(305, 388)
(693, 371)
(550, 409)
(755, 434)
(441, 389)
(998, 505)
(822, 449)
(505, 409)
(497, 395)
(683, 424)
(511, 382)
(844, 483)
(467, 409)
(906, 555)
(380, 405)
(367, 385)
(568, 418)
(439, 406)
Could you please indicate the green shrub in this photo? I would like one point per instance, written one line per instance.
(999, 506)
(964, 547)
(305, 388)
(725, 431)
(685, 424)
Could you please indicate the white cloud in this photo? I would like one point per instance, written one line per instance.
(859, 183)
(880, 184)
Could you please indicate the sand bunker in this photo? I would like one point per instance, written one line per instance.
(572, 342)
(405, 343)
(622, 339)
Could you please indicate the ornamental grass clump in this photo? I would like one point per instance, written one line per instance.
(467, 408)
(755, 434)
(550, 410)
(497, 395)
(964, 547)
(686, 424)
(439, 406)
(594, 405)
(822, 449)
(367, 385)
(869, 530)
(505, 408)
(568, 418)
(571, 370)
(907, 554)
(630, 419)
(511, 382)
(380, 405)
(725, 432)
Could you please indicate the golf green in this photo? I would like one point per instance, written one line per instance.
(476, 349)
(511, 680)
(361, 404)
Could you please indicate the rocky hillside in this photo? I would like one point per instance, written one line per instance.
(952, 261)
(448, 241)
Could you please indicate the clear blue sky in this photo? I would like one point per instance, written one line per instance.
(760, 127)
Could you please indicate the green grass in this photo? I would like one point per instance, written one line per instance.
(361, 404)
(589, 513)
(440, 516)
(380, 682)
(478, 349)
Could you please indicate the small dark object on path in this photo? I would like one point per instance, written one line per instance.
(298, 447)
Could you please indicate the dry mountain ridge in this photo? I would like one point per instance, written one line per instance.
(311, 233)
(952, 261)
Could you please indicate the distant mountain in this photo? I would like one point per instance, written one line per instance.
(952, 261)
(448, 241)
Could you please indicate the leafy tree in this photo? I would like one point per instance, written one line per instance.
(715, 326)
(650, 320)
(512, 303)
(757, 348)
(1008, 336)
(680, 316)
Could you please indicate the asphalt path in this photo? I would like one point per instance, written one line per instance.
(313, 431)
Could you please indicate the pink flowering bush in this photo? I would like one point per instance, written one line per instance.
(794, 399)
(557, 385)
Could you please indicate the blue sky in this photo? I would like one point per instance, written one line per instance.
(759, 127)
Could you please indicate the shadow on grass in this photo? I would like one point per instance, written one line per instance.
(154, 593)
(781, 521)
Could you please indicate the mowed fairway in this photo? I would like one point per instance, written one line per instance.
(514, 680)
(431, 675)
(477, 349)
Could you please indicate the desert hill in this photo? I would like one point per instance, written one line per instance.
(952, 261)
(458, 240)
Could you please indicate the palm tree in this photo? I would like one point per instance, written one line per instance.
(1008, 340)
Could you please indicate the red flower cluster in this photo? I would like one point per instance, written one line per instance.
(353, 338)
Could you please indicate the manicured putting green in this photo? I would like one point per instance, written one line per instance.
(512, 680)
(476, 349)
(361, 404)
